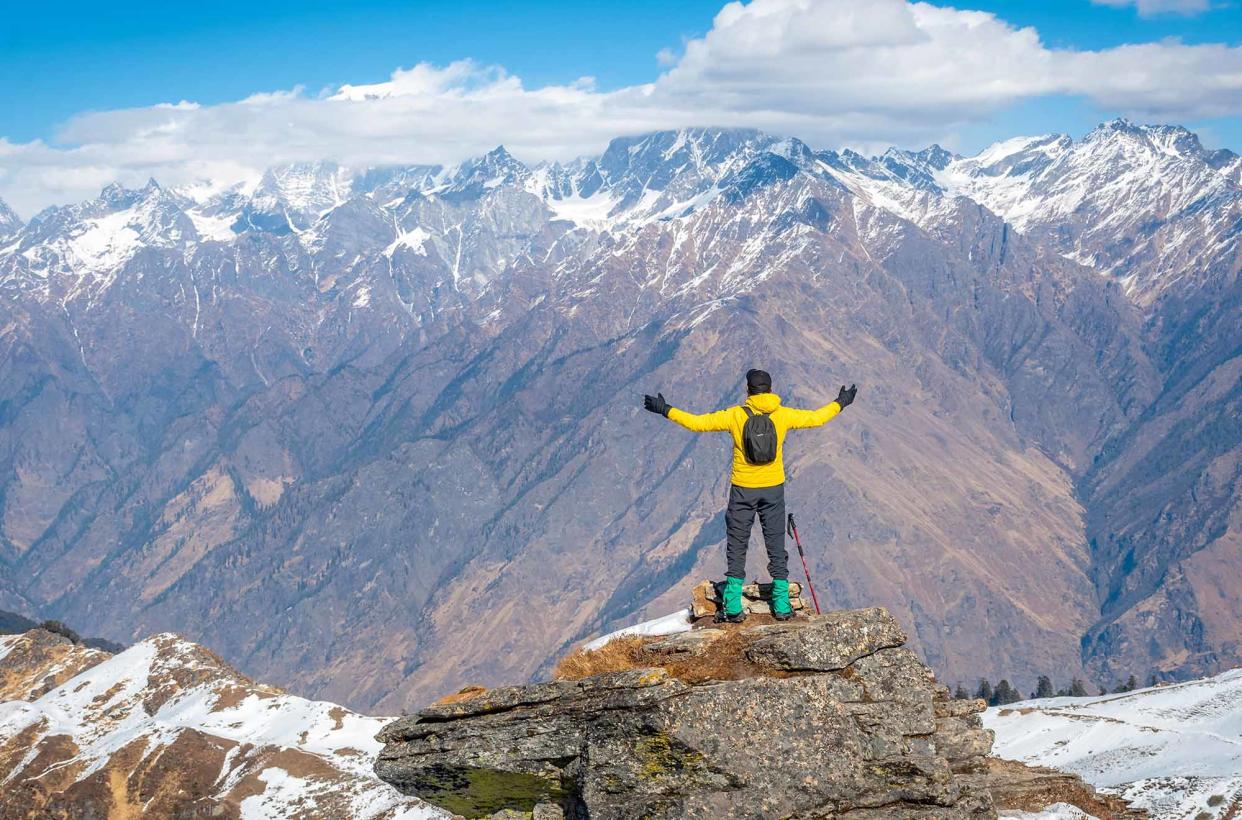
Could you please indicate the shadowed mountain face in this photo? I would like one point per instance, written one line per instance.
(374, 435)
(1152, 207)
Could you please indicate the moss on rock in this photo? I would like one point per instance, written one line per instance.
(473, 791)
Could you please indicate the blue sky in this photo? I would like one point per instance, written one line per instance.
(1073, 23)
(134, 54)
(61, 62)
(117, 55)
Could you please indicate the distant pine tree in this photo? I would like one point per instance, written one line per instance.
(1077, 689)
(1103, 691)
(1131, 683)
(61, 629)
(1152, 680)
(984, 691)
(1043, 689)
(1005, 693)
(960, 693)
(13, 624)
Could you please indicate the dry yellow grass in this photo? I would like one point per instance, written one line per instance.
(465, 693)
(615, 656)
(723, 659)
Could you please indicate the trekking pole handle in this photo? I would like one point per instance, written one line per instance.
(791, 529)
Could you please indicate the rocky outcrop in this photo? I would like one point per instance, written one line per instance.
(1018, 787)
(825, 716)
(35, 662)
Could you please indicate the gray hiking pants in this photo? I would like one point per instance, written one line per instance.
(744, 502)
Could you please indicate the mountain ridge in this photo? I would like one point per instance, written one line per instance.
(334, 424)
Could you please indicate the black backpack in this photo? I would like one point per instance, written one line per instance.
(758, 437)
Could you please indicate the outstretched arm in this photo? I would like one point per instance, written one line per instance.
(799, 419)
(706, 423)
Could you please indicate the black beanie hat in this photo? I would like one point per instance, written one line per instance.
(758, 381)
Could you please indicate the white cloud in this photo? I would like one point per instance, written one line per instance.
(1150, 8)
(835, 72)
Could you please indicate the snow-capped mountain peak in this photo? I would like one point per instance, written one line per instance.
(93, 240)
(235, 742)
(1144, 183)
(1016, 157)
(1136, 202)
(10, 222)
(475, 178)
(1173, 140)
(307, 186)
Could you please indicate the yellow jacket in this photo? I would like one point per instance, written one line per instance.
(732, 419)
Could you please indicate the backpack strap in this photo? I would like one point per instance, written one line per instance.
(750, 414)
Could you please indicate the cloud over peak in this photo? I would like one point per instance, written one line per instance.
(831, 71)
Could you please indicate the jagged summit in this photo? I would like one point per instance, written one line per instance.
(10, 222)
(474, 178)
(1138, 202)
(676, 173)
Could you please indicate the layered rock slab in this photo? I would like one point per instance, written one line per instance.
(819, 717)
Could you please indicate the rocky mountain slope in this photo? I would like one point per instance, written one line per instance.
(1154, 209)
(166, 729)
(307, 420)
(1171, 749)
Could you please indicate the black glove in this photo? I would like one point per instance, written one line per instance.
(657, 404)
(846, 397)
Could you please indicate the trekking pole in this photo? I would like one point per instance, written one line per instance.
(792, 529)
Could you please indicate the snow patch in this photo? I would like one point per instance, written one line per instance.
(105, 242)
(413, 240)
(669, 624)
(1168, 748)
(7, 642)
(214, 228)
(1057, 811)
(586, 212)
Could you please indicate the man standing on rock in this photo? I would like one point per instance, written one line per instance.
(758, 428)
